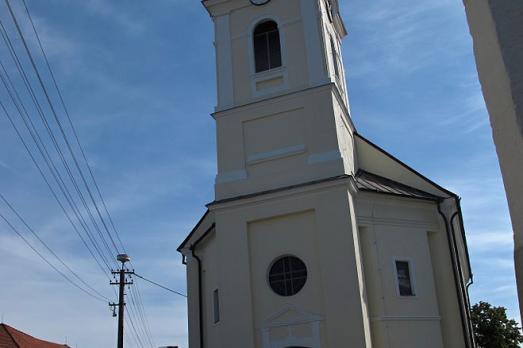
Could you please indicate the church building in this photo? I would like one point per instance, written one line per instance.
(317, 238)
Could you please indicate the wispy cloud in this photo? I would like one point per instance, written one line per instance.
(490, 240)
(501, 264)
(471, 112)
(116, 14)
(4, 165)
(402, 37)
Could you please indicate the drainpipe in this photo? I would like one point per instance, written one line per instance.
(200, 292)
(464, 287)
(458, 279)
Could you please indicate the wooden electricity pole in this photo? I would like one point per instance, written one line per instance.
(122, 282)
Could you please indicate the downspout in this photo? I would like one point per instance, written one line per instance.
(471, 281)
(465, 287)
(458, 280)
(200, 299)
(200, 292)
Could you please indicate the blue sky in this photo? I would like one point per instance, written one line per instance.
(138, 78)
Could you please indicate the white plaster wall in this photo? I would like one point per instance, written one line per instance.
(284, 141)
(210, 283)
(497, 29)
(398, 228)
(271, 238)
(313, 224)
(351, 274)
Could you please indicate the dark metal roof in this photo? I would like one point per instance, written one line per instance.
(374, 183)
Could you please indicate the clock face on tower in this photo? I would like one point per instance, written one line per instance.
(259, 2)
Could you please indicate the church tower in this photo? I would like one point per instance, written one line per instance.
(282, 114)
(317, 238)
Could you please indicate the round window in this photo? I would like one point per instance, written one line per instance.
(287, 275)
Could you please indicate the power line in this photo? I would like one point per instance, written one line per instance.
(57, 178)
(128, 336)
(139, 340)
(134, 312)
(60, 126)
(46, 180)
(75, 209)
(139, 309)
(10, 206)
(161, 286)
(71, 124)
(135, 335)
(54, 171)
(69, 280)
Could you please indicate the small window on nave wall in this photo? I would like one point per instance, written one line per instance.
(404, 274)
(267, 48)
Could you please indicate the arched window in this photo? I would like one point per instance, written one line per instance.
(267, 49)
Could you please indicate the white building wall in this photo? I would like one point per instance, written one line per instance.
(497, 29)
(395, 228)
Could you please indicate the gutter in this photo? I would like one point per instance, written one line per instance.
(200, 292)
(469, 341)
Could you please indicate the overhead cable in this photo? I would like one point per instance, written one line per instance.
(161, 286)
(57, 120)
(39, 108)
(69, 280)
(10, 206)
(75, 133)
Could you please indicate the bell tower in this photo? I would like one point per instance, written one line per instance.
(282, 115)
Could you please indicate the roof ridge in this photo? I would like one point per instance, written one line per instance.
(362, 171)
(369, 181)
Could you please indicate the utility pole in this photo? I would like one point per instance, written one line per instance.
(122, 282)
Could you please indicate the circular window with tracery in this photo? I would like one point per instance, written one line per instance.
(287, 275)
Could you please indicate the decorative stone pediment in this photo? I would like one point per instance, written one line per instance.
(292, 327)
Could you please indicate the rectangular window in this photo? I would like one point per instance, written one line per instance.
(216, 302)
(403, 273)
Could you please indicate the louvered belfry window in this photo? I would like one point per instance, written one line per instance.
(267, 49)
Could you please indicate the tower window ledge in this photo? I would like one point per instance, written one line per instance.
(269, 73)
(269, 81)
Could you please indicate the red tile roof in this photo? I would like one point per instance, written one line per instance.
(12, 338)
